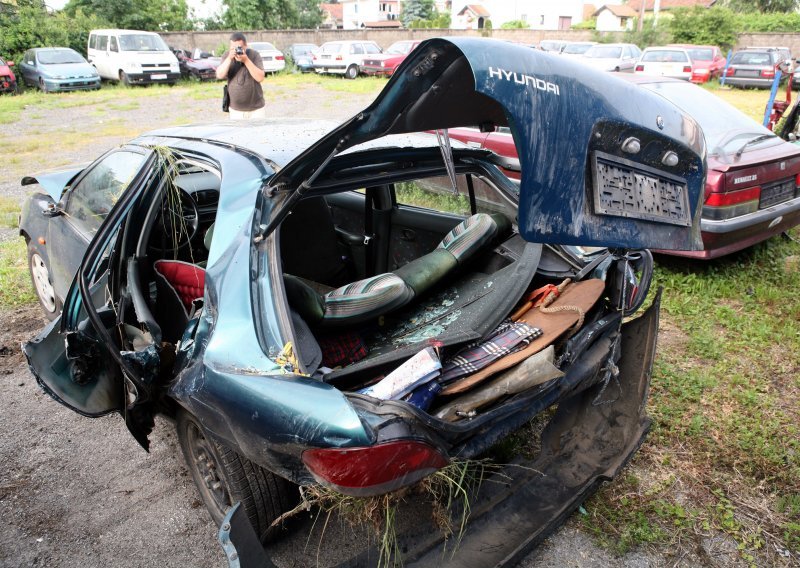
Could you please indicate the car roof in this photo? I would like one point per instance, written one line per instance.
(37, 49)
(121, 31)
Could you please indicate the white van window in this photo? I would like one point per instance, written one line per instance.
(142, 42)
(102, 42)
(92, 41)
(113, 45)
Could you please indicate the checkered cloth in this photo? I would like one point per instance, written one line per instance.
(507, 338)
(342, 349)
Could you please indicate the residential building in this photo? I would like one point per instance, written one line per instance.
(615, 18)
(331, 16)
(357, 14)
(537, 14)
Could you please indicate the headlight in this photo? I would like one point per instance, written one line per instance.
(173, 67)
(383, 64)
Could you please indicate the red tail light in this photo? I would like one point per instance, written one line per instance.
(721, 205)
(373, 470)
(687, 68)
(730, 72)
(797, 180)
(768, 73)
(279, 57)
(640, 68)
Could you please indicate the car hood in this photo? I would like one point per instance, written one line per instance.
(569, 124)
(53, 183)
(201, 64)
(68, 70)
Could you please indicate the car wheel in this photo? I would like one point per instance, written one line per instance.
(223, 477)
(42, 85)
(352, 72)
(42, 285)
(123, 78)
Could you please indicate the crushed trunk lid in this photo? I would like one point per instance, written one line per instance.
(603, 162)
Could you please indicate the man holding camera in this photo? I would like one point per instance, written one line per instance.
(244, 71)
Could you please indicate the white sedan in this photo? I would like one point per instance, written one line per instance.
(272, 58)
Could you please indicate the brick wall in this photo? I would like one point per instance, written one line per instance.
(210, 41)
(282, 39)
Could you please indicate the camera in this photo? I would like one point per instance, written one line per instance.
(239, 50)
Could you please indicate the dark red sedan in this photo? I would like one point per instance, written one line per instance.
(8, 82)
(384, 64)
(753, 183)
(707, 61)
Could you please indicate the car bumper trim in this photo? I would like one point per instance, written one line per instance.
(745, 221)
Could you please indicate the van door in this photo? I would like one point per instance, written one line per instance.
(101, 56)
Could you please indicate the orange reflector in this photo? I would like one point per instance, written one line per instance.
(41, 240)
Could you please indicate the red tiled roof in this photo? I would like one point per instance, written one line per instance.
(476, 9)
(588, 11)
(619, 10)
(334, 10)
(669, 4)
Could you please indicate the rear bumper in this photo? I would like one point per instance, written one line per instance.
(333, 68)
(748, 82)
(379, 71)
(731, 235)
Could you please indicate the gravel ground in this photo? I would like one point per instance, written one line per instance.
(79, 492)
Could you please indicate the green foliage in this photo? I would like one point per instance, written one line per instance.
(650, 34)
(32, 26)
(15, 285)
(514, 25)
(440, 21)
(148, 15)
(417, 10)
(763, 6)
(770, 22)
(271, 14)
(589, 24)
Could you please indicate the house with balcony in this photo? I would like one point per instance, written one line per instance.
(359, 14)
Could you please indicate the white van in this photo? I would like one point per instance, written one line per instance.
(132, 57)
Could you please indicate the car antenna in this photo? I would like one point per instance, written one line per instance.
(443, 138)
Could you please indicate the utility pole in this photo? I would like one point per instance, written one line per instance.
(640, 23)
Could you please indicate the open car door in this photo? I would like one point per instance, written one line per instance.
(81, 358)
(603, 162)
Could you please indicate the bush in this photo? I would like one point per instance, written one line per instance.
(772, 22)
(514, 25)
(650, 34)
(589, 24)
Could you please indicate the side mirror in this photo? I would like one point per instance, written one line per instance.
(52, 210)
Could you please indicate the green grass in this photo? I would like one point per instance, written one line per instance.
(15, 285)
(725, 401)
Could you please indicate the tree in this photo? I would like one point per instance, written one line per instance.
(148, 15)
(763, 6)
(29, 25)
(263, 14)
(416, 10)
(704, 26)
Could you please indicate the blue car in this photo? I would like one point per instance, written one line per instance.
(359, 305)
(53, 69)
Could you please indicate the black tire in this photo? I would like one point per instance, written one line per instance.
(42, 86)
(351, 72)
(223, 477)
(123, 78)
(42, 283)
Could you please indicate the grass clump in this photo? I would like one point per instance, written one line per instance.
(448, 490)
(15, 285)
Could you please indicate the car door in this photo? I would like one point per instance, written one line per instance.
(26, 68)
(83, 208)
(77, 359)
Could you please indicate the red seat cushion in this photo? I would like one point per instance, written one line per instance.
(188, 280)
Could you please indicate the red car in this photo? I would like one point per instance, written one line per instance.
(707, 61)
(8, 82)
(753, 183)
(384, 64)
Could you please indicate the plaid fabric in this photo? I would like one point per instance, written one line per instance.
(469, 235)
(507, 338)
(341, 349)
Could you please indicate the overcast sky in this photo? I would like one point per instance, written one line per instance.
(202, 8)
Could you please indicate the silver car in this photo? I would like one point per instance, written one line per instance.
(612, 57)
